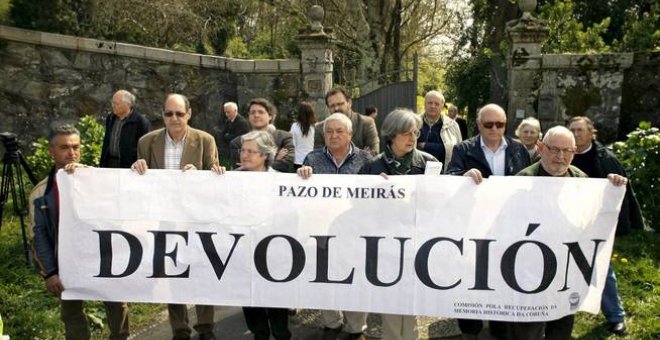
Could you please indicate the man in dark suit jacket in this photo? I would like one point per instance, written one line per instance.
(235, 125)
(488, 153)
(178, 146)
(262, 113)
(452, 112)
(365, 134)
(123, 129)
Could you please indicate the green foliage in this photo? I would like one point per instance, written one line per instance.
(91, 138)
(568, 34)
(4, 11)
(61, 16)
(635, 260)
(468, 82)
(29, 311)
(640, 156)
(642, 33)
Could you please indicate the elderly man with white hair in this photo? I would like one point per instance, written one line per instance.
(557, 152)
(439, 132)
(338, 156)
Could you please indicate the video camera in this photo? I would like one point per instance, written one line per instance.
(10, 141)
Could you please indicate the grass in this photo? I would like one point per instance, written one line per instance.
(30, 312)
(635, 259)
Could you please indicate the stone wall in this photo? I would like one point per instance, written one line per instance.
(48, 78)
(616, 90)
(641, 93)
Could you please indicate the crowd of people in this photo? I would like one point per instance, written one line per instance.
(346, 142)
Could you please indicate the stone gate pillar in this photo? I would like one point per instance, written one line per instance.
(316, 60)
(524, 66)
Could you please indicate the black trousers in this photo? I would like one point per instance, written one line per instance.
(467, 326)
(264, 321)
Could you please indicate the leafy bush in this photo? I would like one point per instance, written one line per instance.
(91, 138)
(640, 155)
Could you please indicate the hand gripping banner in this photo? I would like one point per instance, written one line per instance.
(510, 248)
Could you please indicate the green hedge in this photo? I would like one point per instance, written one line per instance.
(640, 155)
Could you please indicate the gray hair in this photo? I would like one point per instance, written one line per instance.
(531, 121)
(558, 131)
(399, 121)
(232, 105)
(342, 118)
(62, 129)
(265, 144)
(127, 97)
(435, 93)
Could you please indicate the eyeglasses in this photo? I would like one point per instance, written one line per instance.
(249, 152)
(489, 125)
(179, 114)
(555, 150)
(414, 134)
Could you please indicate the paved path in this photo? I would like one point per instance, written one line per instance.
(230, 325)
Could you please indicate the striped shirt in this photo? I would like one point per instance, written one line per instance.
(173, 152)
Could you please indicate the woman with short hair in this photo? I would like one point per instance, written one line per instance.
(400, 130)
(256, 154)
(529, 133)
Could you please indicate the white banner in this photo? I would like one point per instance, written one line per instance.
(511, 248)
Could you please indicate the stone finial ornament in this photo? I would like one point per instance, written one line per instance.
(316, 14)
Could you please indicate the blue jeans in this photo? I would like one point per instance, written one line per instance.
(610, 303)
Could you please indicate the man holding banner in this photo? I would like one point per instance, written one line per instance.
(488, 153)
(180, 147)
(557, 151)
(64, 148)
(338, 156)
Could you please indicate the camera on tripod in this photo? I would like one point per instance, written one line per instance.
(12, 184)
(10, 141)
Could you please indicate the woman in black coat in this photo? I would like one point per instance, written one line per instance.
(400, 157)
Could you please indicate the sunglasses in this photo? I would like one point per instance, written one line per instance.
(489, 125)
(179, 114)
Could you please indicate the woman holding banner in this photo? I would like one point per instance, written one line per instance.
(400, 157)
(256, 154)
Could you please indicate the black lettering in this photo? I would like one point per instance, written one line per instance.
(322, 260)
(481, 264)
(160, 243)
(105, 251)
(297, 258)
(212, 253)
(508, 267)
(371, 265)
(585, 268)
(422, 262)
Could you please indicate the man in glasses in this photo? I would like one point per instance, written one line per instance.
(365, 134)
(557, 152)
(597, 161)
(177, 146)
(123, 129)
(488, 153)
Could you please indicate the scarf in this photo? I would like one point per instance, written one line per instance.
(397, 166)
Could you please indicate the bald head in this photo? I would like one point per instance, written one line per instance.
(557, 151)
(491, 120)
